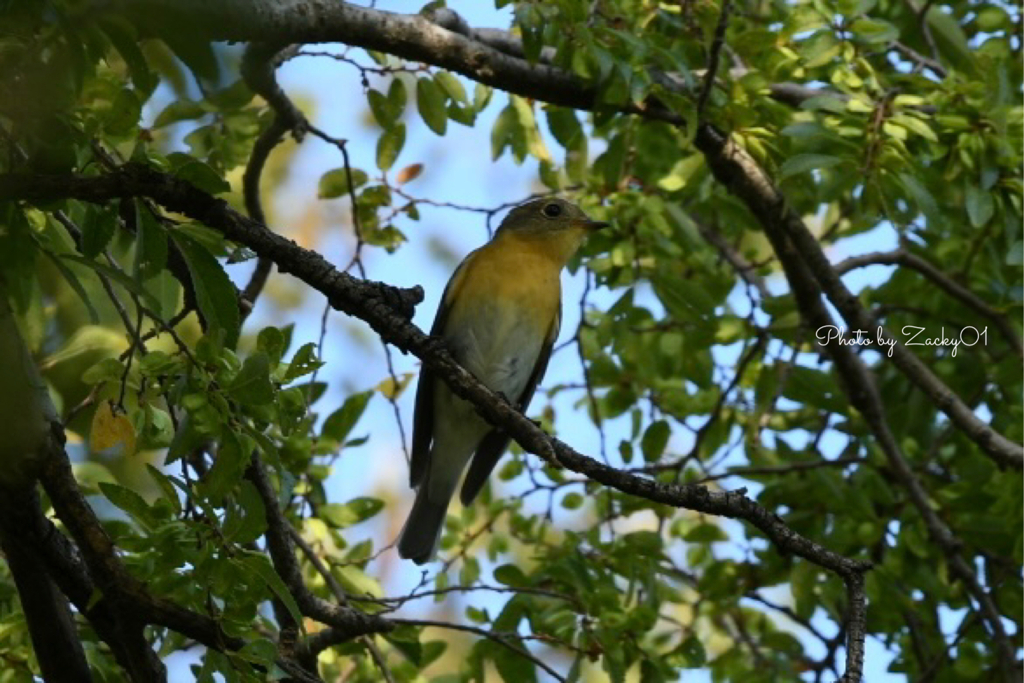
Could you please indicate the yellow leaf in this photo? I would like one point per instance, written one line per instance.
(390, 389)
(410, 172)
(110, 428)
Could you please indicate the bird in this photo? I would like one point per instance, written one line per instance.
(499, 317)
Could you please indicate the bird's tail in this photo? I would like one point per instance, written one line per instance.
(422, 529)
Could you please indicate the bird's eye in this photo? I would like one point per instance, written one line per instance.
(552, 210)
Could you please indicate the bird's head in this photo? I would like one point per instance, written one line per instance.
(550, 216)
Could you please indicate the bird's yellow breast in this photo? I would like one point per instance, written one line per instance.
(515, 273)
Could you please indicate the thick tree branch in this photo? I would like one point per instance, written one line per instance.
(68, 570)
(50, 623)
(410, 36)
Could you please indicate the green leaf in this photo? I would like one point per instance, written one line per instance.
(654, 440)
(335, 184)
(682, 172)
(382, 109)
(97, 231)
(357, 582)
(258, 564)
(248, 521)
(705, 533)
(215, 293)
(157, 363)
(76, 285)
(252, 385)
(406, 639)
(510, 575)
(564, 125)
(481, 96)
(124, 113)
(231, 98)
(339, 423)
(511, 666)
(874, 30)
(916, 125)
(814, 387)
(270, 341)
(452, 86)
(1015, 254)
(820, 48)
(693, 652)
(303, 363)
(197, 172)
(354, 511)
(572, 501)
(179, 110)
(118, 277)
(229, 465)
(980, 206)
(430, 100)
(389, 145)
(150, 243)
(801, 163)
(921, 196)
(951, 40)
(528, 123)
(503, 132)
(364, 508)
(824, 103)
(397, 98)
(124, 38)
(170, 493)
(991, 19)
(127, 500)
(157, 428)
(106, 370)
(186, 438)
(685, 300)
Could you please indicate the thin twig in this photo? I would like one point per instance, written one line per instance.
(713, 58)
(498, 638)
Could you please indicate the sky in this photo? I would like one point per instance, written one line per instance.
(457, 168)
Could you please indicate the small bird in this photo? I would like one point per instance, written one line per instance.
(499, 317)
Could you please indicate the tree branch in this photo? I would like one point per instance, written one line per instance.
(259, 64)
(713, 54)
(50, 623)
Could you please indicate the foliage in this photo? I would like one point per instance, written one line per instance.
(908, 130)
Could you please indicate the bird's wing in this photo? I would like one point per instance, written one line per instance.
(496, 441)
(423, 417)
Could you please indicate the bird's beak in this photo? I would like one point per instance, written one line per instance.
(594, 225)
